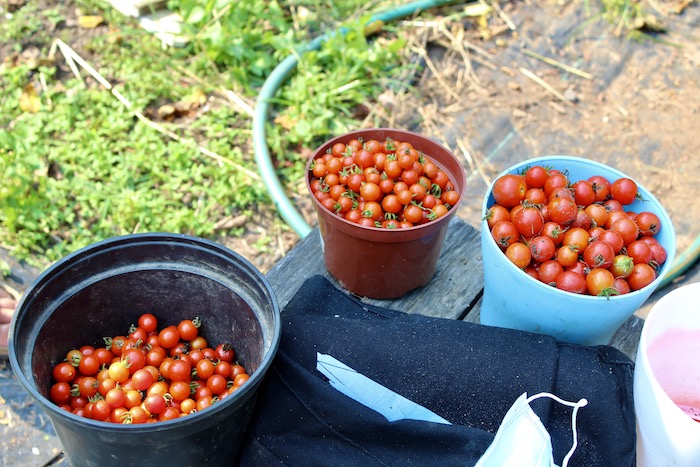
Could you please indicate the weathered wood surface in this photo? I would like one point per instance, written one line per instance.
(452, 292)
(455, 291)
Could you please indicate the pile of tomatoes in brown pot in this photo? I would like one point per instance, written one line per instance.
(385, 184)
(147, 375)
(576, 235)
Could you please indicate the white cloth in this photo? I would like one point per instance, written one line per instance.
(522, 439)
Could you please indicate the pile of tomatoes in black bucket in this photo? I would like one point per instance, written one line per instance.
(105, 289)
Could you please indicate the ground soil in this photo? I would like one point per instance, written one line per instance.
(486, 93)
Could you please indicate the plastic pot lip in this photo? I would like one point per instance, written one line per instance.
(642, 360)
(379, 234)
(161, 237)
(562, 160)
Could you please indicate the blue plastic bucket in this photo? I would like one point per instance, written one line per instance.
(513, 299)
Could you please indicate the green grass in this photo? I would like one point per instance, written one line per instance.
(83, 168)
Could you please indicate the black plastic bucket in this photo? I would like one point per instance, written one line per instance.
(102, 289)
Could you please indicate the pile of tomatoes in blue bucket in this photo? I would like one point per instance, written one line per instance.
(571, 248)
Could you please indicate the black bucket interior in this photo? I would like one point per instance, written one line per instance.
(101, 290)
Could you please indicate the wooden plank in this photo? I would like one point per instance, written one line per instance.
(627, 337)
(452, 292)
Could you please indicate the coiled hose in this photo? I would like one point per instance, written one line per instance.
(284, 69)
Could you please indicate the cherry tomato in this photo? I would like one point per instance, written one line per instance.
(60, 393)
(624, 190)
(74, 356)
(584, 194)
(613, 238)
(577, 238)
(641, 276)
(553, 182)
(240, 379)
(535, 196)
(136, 415)
(535, 176)
(597, 213)
(225, 352)
(449, 197)
(199, 343)
(549, 271)
(119, 371)
(621, 286)
(101, 410)
(205, 368)
(599, 254)
(554, 231)
(142, 379)
(573, 282)
(154, 403)
(562, 210)
(413, 213)
(627, 229)
(519, 254)
(658, 253)
(115, 397)
(639, 251)
(649, 223)
(529, 221)
(179, 390)
(505, 233)
(216, 383)
(622, 266)
(509, 190)
(542, 248)
(224, 369)
(134, 359)
(64, 372)
(582, 220)
(600, 282)
(88, 386)
(168, 337)
(601, 187)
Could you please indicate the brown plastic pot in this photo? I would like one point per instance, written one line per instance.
(385, 263)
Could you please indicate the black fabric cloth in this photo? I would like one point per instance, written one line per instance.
(467, 373)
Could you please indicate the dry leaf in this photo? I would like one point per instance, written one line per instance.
(477, 9)
(166, 112)
(198, 97)
(29, 100)
(285, 121)
(90, 22)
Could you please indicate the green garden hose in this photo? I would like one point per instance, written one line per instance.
(280, 74)
(262, 109)
(682, 262)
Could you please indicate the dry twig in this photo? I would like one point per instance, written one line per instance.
(72, 58)
(545, 85)
(557, 64)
